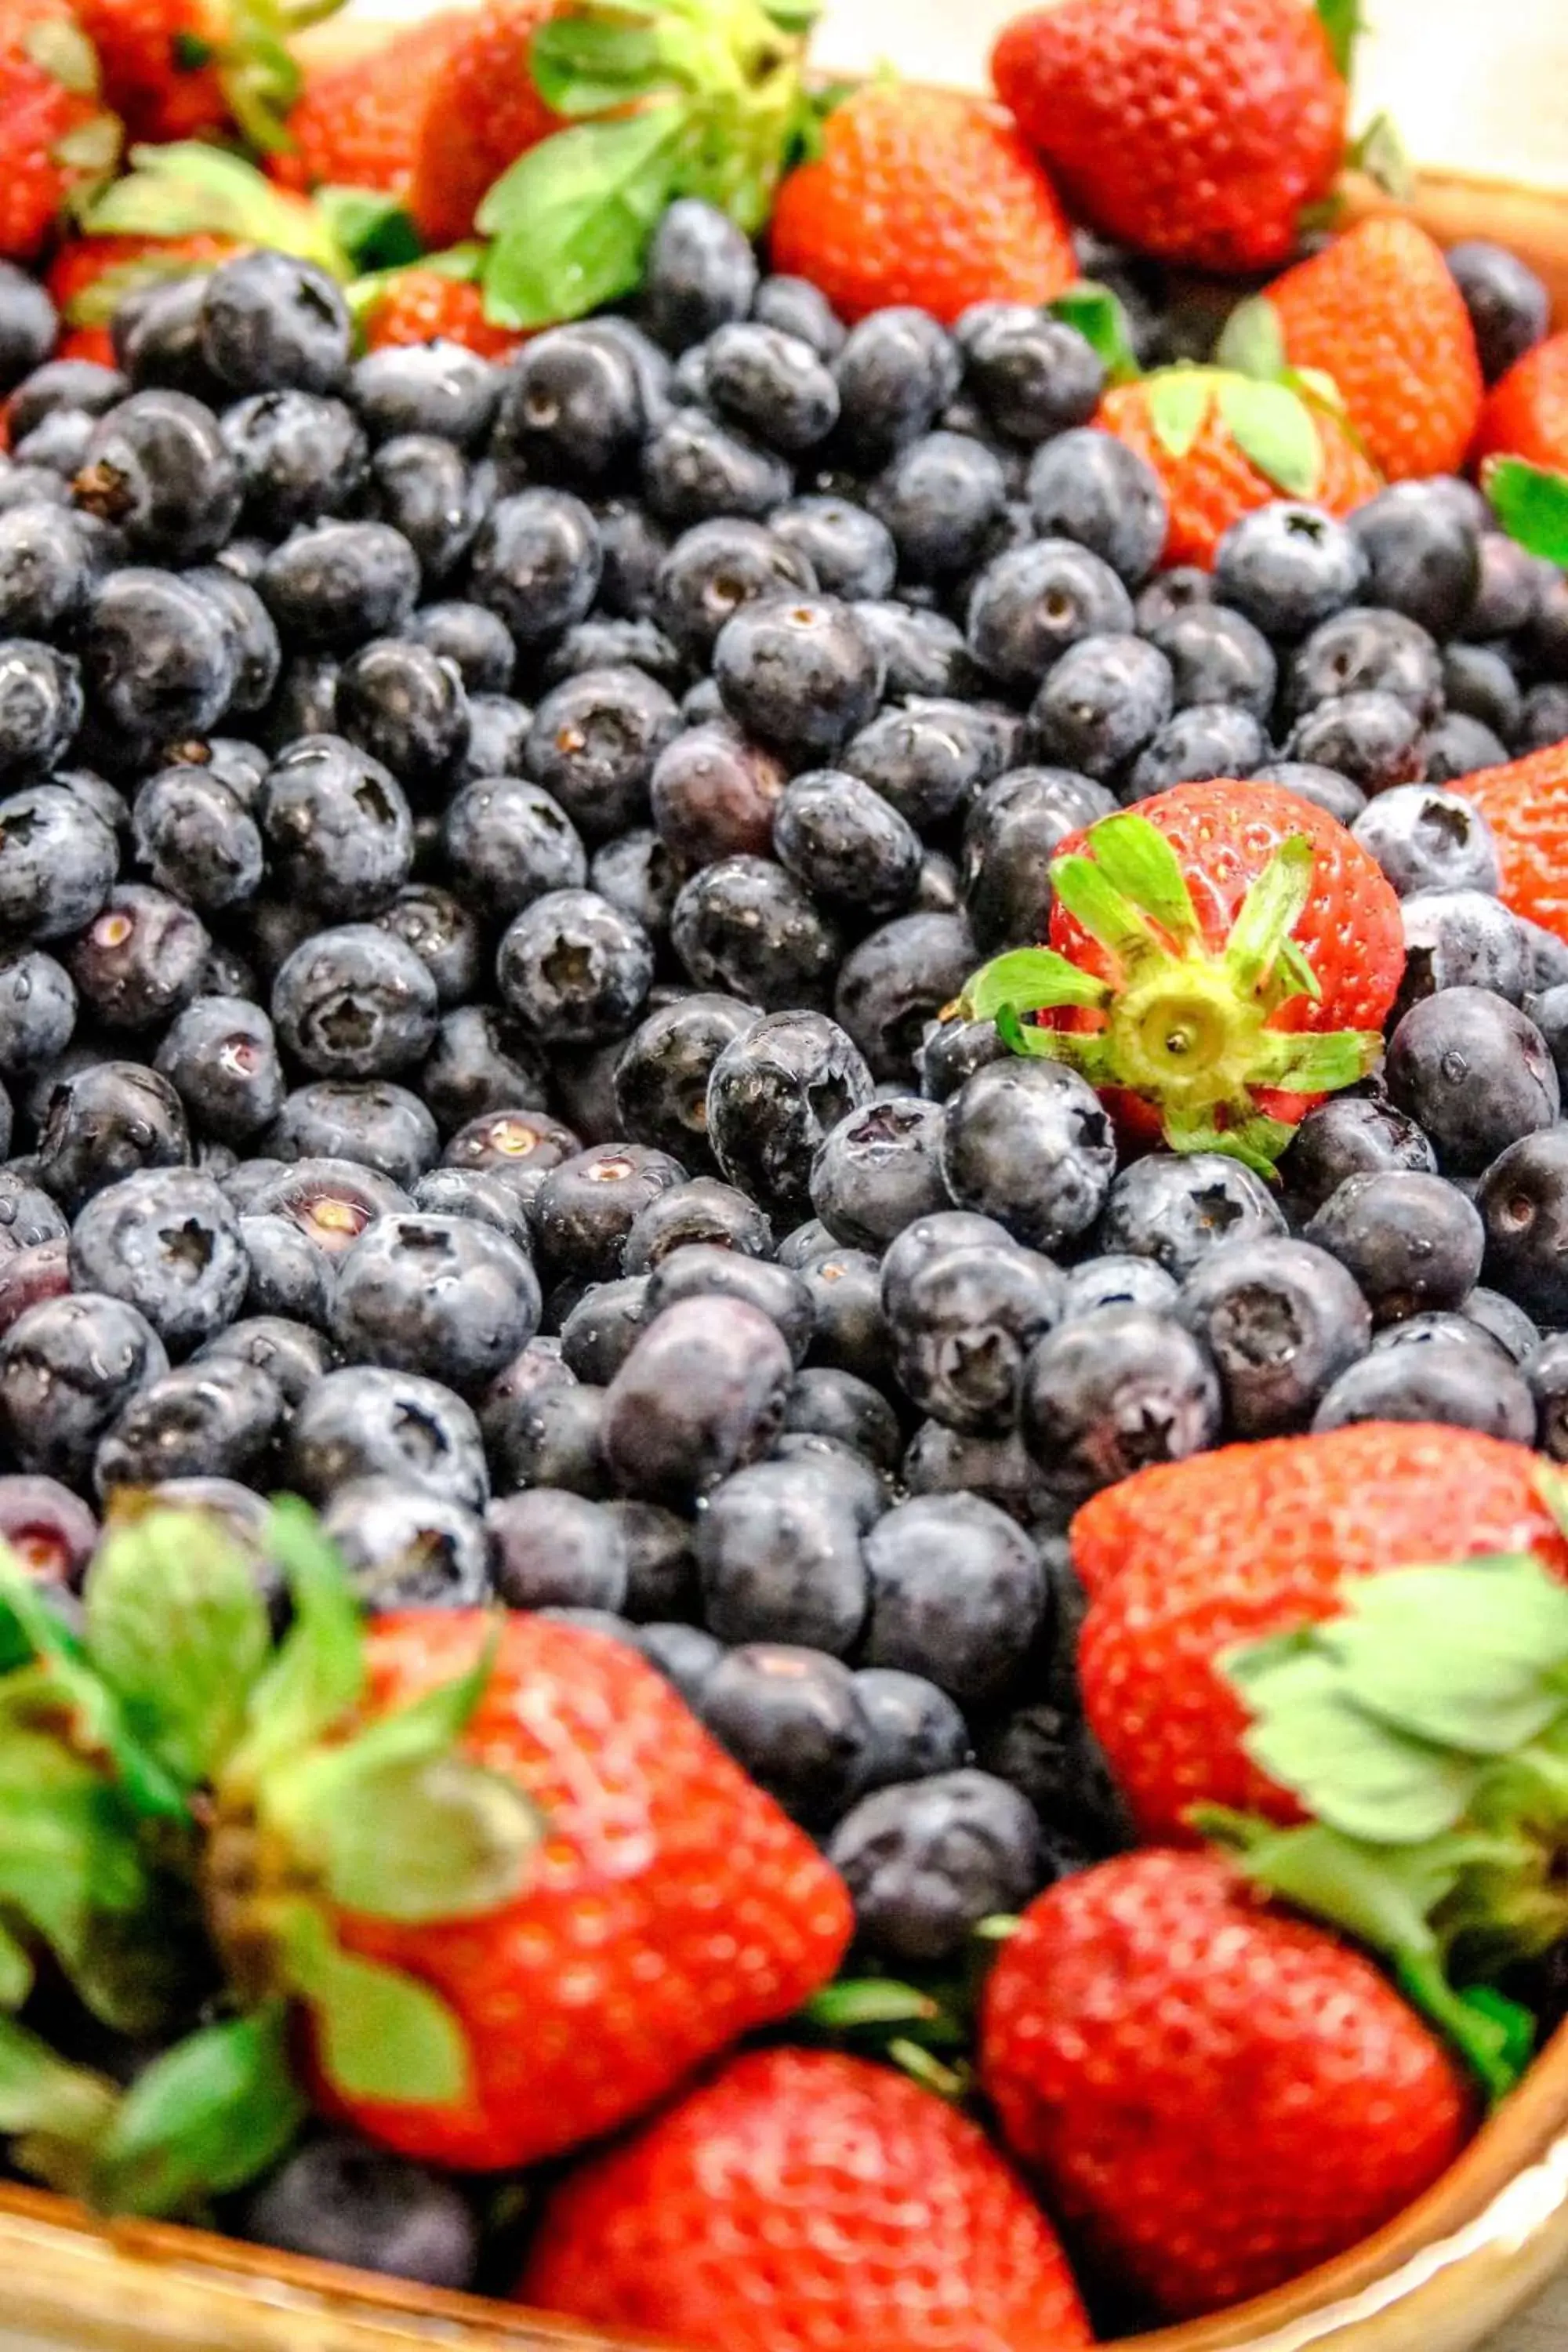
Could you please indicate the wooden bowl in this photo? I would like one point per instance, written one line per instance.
(1441, 2278)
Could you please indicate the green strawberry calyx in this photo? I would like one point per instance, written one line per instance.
(1271, 416)
(1531, 502)
(189, 189)
(665, 99)
(1425, 1731)
(1190, 1031)
(190, 1810)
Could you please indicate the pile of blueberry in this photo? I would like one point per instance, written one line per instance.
(484, 855)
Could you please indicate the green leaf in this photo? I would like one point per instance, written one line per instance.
(1258, 1142)
(53, 2111)
(1342, 20)
(793, 15)
(587, 64)
(572, 218)
(1093, 900)
(1456, 1654)
(864, 2001)
(1099, 317)
(178, 1629)
(1253, 343)
(99, 1718)
(212, 2114)
(318, 1676)
(1090, 1056)
(190, 189)
(1275, 432)
(374, 230)
(58, 48)
(1294, 974)
(1179, 400)
(1485, 2041)
(1136, 858)
(1303, 1063)
(1270, 911)
(1381, 153)
(1031, 980)
(382, 2035)
(91, 146)
(1532, 504)
(16, 1972)
(396, 1824)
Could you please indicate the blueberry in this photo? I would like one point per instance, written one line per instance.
(701, 1392)
(141, 959)
(333, 585)
(705, 1269)
(661, 1075)
(925, 652)
(507, 842)
(895, 372)
(772, 384)
(1523, 1205)
(354, 1003)
(1509, 308)
(1411, 1240)
(438, 388)
(293, 1355)
(701, 274)
(1364, 649)
(1426, 839)
(606, 643)
(69, 1367)
(297, 456)
(1117, 1279)
(427, 492)
(962, 1327)
(1472, 1387)
(773, 1094)
(957, 1594)
(1102, 702)
(337, 825)
(791, 1718)
(330, 1201)
(58, 863)
(443, 932)
(1423, 555)
(840, 839)
(1448, 1329)
(1475, 1073)
(367, 1422)
(47, 1528)
(717, 566)
(928, 757)
(218, 1419)
(166, 1242)
(157, 467)
(846, 549)
(795, 307)
(1175, 1208)
(339, 2201)
(1034, 378)
(556, 1550)
(1209, 740)
(572, 409)
(824, 1402)
(40, 706)
(45, 572)
(106, 1122)
(926, 1861)
(1325, 788)
(1458, 746)
(594, 744)
(196, 840)
(473, 639)
(497, 735)
(305, 701)
(897, 981)
(1029, 605)
(1502, 1321)
(743, 926)
(1347, 1135)
(253, 639)
(1112, 1391)
(800, 671)
(1280, 1320)
(701, 1210)
(586, 1205)
(473, 1192)
(553, 1438)
(684, 1654)
(939, 498)
(1029, 1144)
(602, 1329)
(268, 319)
(1505, 602)
(573, 969)
(62, 383)
(916, 1729)
(28, 1214)
(368, 1121)
(405, 707)
(1546, 1371)
(1373, 738)
(1479, 683)
(1013, 828)
(28, 325)
(878, 1170)
(778, 1550)
(520, 1145)
(33, 485)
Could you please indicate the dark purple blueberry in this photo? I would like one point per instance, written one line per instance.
(354, 1003)
(895, 372)
(896, 983)
(594, 744)
(926, 1861)
(573, 969)
(1510, 308)
(744, 927)
(1030, 1144)
(1175, 1208)
(1426, 839)
(714, 794)
(958, 1595)
(366, 1421)
(269, 319)
(1412, 1240)
(333, 585)
(778, 1550)
(50, 1531)
(141, 959)
(1423, 555)
(1101, 705)
(298, 455)
(1472, 1387)
(841, 546)
(774, 1093)
(220, 1419)
(369, 1121)
(69, 1367)
(337, 826)
(107, 1122)
(406, 707)
(1365, 649)
(508, 841)
(1029, 605)
(1349, 1135)
(1373, 738)
(701, 1392)
(1281, 1321)
(1475, 1073)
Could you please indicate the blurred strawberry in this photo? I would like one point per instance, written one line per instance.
(923, 196)
(1526, 412)
(356, 125)
(57, 142)
(421, 306)
(1196, 130)
(190, 68)
(481, 111)
(90, 277)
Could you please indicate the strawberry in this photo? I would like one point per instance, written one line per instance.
(1379, 313)
(90, 276)
(803, 2201)
(1526, 411)
(55, 140)
(356, 124)
(190, 68)
(1183, 1559)
(923, 196)
(423, 306)
(1526, 805)
(1216, 963)
(1196, 130)
(1214, 2096)
(1220, 450)
(481, 111)
(94, 344)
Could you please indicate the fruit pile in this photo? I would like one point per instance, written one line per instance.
(784, 900)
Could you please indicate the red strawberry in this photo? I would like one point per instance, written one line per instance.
(671, 1909)
(803, 2201)
(356, 124)
(1186, 1558)
(55, 141)
(90, 276)
(423, 305)
(189, 69)
(923, 196)
(1218, 960)
(481, 111)
(1220, 451)
(1379, 312)
(1197, 129)
(1526, 805)
(1216, 2095)
(1526, 412)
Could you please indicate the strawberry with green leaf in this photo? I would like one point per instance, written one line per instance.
(57, 141)
(192, 191)
(1526, 411)
(195, 68)
(1215, 967)
(1224, 442)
